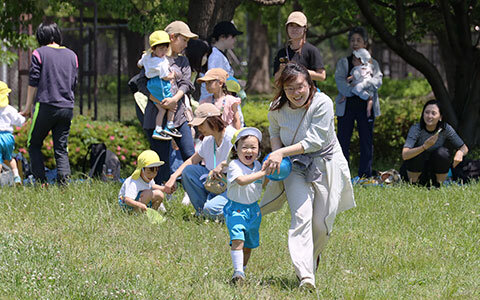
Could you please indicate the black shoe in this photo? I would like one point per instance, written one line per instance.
(172, 132)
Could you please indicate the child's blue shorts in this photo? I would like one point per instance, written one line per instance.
(7, 144)
(243, 222)
(127, 207)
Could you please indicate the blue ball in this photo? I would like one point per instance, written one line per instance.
(285, 169)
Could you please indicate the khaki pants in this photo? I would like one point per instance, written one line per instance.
(307, 235)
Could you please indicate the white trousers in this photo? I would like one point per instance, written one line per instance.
(307, 235)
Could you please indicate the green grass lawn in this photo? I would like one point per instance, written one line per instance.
(75, 243)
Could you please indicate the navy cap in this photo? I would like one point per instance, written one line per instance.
(225, 28)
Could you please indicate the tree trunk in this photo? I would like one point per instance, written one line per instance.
(135, 46)
(203, 15)
(258, 58)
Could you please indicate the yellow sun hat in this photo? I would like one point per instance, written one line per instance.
(146, 159)
(4, 91)
(158, 37)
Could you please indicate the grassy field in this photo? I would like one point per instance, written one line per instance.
(75, 243)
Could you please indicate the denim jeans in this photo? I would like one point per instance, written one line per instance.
(163, 148)
(204, 202)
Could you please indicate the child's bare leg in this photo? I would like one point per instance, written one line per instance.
(160, 115)
(13, 165)
(246, 255)
(155, 196)
(369, 106)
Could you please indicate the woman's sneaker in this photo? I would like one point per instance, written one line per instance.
(172, 132)
(160, 136)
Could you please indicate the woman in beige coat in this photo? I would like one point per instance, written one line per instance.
(319, 186)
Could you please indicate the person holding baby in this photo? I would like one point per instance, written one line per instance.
(358, 78)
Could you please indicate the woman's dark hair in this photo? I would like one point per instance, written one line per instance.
(440, 123)
(290, 73)
(216, 123)
(195, 51)
(48, 33)
(361, 31)
(234, 152)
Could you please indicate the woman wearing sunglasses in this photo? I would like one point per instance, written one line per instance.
(139, 191)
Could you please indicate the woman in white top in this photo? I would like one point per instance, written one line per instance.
(214, 151)
(302, 127)
(223, 38)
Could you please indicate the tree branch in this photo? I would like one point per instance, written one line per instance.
(381, 3)
(321, 37)
(269, 2)
(450, 28)
(400, 20)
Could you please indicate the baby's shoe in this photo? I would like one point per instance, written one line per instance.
(160, 136)
(17, 180)
(172, 132)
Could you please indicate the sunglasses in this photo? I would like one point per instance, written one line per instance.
(152, 169)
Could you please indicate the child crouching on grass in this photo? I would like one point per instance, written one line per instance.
(139, 191)
(9, 116)
(244, 188)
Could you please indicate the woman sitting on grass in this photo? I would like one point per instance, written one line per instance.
(214, 151)
(424, 151)
(139, 191)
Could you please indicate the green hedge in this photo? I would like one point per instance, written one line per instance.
(127, 141)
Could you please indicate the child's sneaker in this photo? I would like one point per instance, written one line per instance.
(172, 132)
(160, 136)
(238, 277)
(17, 180)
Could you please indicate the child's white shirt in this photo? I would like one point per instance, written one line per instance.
(9, 117)
(154, 65)
(246, 194)
(206, 149)
(131, 187)
(361, 73)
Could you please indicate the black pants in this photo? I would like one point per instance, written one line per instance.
(58, 120)
(356, 110)
(430, 163)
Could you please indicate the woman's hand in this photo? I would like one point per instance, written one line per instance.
(273, 162)
(430, 141)
(458, 158)
(216, 173)
(169, 103)
(170, 186)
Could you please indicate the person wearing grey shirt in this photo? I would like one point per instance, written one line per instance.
(427, 148)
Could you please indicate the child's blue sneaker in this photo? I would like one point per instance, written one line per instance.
(160, 136)
(238, 277)
(17, 180)
(172, 132)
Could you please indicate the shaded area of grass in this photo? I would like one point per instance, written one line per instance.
(400, 242)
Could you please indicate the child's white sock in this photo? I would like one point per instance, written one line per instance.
(158, 128)
(170, 125)
(15, 172)
(237, 259)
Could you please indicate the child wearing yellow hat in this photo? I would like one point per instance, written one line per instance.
(139, 191)
(157, 70)
(9, 117)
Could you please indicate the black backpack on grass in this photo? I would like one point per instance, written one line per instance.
(104, 164)
(467, 170)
